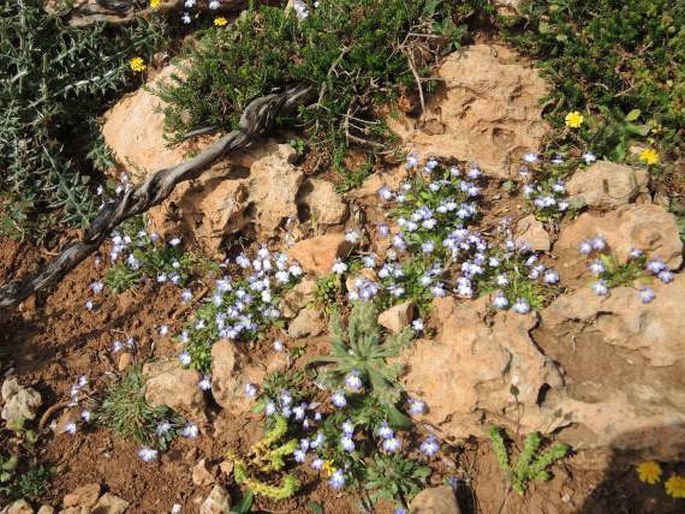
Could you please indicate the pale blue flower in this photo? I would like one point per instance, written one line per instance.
(647, 295)
(600, 288)
(429, 446)
(347, 444)
(148, 454)
(338, 399)
(337, 480)
(521, 306)
(391, 445)
(416, 407)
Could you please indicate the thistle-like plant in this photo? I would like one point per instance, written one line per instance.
(265, 457)
(55, 80)
(361, 348)
(530, 465)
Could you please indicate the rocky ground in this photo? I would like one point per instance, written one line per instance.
(603, 373)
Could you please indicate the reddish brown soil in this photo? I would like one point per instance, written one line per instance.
(53, 339)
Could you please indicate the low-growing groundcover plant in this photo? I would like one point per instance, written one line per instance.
(243, 303)
(125, 410)
(612, 272)
(356, 433)
(531, 464)
(55, 80)
(617, 69)
(358, 55)
(438, 249)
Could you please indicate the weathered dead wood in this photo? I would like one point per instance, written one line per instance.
(256, 119)
(87, 12)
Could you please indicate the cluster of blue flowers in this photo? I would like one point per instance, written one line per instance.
(434, 251)
(329, 433)
(597, 248)
(238, 307)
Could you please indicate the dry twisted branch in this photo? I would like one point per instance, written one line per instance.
(256, 119)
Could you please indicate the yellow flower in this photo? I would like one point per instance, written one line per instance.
(154, 3)
(328, 468)
(649, 472)
(220, 21)
(574, 119)
(675, 486)
(650, 156)
(137, 64)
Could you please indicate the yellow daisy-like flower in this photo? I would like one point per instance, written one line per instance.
(155, 3)
(220, 21)
(675, 486)
(649, 472)
(328, 468)
(137, 64)
(650, 156)
(574, 119)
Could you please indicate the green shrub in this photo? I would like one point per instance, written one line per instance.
(56, 79)
(608, 58)
(353, 52)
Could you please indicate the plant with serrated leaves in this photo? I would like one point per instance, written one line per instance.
(265, 458)
(56, 79)
(531, 464)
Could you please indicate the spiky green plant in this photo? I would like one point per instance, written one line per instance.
(55, 80)
(530, 465)
(361, 347)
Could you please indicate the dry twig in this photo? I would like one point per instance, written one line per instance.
(256, 119)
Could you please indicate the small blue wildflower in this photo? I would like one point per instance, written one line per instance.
(352, 381)
(348, 428)
(385, 193)
(338, 398)
(391, 445)
(299, 455)
(250, 390)
(589, 157)
(416, 407)
(429, 446)
(585, 247)
(205, 384)
(384, 431)
(347, 444)
(600, 288)
(337, 480)
(190, 431)
(500, 301)
(551, 277)
(599, 243)
(339, 267)
(521, 306)
(656, 266)
(185, 358)
(596, 267)
(647, 295)
(147, 454)
(666, 276)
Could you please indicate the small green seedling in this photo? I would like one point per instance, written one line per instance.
(531, 465)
